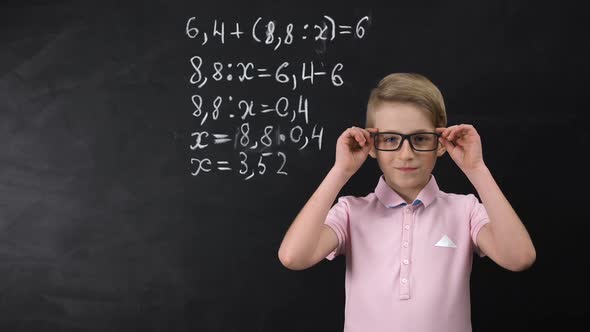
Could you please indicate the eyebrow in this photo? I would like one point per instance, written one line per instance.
(412, 132)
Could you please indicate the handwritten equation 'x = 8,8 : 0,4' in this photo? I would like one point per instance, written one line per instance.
(271, 137)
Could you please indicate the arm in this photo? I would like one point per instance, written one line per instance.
(302, 237)
(301, 247)
(504, 239)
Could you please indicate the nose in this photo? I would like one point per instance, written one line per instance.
(406, 151)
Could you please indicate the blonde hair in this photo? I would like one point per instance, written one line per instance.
(408, 88)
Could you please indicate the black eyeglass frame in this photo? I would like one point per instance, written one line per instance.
(404, 137)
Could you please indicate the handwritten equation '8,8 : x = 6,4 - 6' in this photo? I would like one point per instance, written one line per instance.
(247, 71)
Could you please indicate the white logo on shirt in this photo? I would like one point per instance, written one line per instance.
(445, 242)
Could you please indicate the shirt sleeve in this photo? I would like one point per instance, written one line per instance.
(478, 217)
(338, 219)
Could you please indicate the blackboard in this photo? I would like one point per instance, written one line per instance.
(119, 214)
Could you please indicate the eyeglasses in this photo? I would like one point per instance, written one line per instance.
(389, 141)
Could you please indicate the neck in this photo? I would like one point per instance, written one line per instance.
(409, 195)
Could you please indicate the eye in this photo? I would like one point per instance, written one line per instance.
(423, 138)
(419, 138)
(390, 139)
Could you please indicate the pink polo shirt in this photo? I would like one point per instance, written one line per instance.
(407, 266)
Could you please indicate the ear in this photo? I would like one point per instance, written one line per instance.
(441, 150)
(373, 152)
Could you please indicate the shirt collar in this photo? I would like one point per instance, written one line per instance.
(390, 198)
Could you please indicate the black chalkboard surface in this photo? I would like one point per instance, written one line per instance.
(153, 153)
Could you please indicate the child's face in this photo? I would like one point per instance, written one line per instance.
(405, 118)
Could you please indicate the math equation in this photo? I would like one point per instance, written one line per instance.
(264, 131)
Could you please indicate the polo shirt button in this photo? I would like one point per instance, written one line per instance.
(408, 210)
(404, 280)
(407, 226)
(406, 261)
(406, 244)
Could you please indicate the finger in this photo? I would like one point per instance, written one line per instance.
(466, 131)
(352, 141)
(456, 131)
(448, 130)
(450, 133)
(358, 136)
(372, 131)
(447, 144)
(349, 135)
(367, 135)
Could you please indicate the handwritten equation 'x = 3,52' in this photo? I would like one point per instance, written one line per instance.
(206, 165)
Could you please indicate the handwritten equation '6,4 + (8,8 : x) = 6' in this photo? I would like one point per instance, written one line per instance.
(271, 34)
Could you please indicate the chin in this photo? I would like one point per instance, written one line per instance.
(407, 180)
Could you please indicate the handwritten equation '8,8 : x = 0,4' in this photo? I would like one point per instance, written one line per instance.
(248, 108)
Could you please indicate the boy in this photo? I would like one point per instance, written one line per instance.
(408, 245)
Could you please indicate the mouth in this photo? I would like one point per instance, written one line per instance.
(407, 169)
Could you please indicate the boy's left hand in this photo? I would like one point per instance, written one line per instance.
(463, 144)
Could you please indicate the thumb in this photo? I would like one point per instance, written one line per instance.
(448, 145)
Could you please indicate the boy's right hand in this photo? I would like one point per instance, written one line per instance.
(352, 149)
